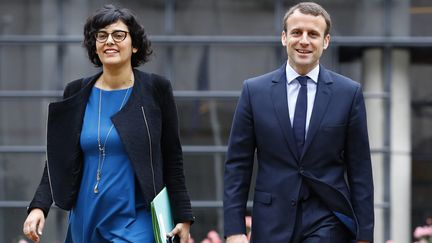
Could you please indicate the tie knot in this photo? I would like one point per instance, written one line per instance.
(302, 80)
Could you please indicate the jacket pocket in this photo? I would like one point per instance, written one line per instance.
(330, 127)
(263, 197)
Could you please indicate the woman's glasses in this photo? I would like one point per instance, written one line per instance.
(117, 36)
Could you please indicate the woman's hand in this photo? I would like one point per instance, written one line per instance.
(182, 230)
(34, 224)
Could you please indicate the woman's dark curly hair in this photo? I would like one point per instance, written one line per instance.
(110, 14)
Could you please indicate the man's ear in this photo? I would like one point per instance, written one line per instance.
(326, 41)
(283, 38)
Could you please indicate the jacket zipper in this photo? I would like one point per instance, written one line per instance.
(47, 163)
(150, 149)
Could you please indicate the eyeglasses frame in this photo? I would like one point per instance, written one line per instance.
(110, 34)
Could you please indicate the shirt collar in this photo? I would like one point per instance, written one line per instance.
(291, 74)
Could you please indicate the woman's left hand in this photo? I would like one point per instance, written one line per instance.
(182, 230)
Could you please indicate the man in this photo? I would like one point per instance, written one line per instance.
(307, 126)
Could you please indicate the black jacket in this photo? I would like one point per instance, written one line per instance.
(148, 129)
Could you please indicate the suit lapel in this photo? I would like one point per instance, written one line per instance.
(280, 104)
(66, 116)
(138, 119)
(130, 122)
(322, 98)
(64, 130)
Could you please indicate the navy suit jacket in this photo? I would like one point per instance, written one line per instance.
(335, 162)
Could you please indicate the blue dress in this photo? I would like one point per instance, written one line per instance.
(116, 213)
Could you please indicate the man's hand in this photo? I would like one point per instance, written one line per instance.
(363, 241)
(237, 239)
(34, 224)
(182, 230)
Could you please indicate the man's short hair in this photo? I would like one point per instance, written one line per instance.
(309, 8)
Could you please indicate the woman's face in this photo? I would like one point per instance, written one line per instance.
(112, 49)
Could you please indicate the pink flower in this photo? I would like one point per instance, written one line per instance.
(423, 232)
(214, 237)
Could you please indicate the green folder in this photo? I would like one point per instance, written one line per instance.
(162, 218)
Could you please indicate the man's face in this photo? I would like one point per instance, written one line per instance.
(304, 41)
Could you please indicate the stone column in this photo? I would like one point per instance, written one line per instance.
(400, 148)
(373, 82)
(400, 157)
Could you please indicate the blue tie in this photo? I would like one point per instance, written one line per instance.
(299, 121)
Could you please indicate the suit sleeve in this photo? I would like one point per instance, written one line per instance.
(173, 158)
(359, 168)
(239, 166)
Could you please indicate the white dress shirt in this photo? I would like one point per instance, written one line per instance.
(293, 88)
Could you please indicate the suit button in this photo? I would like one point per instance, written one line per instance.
(293, 203)
(301, 170)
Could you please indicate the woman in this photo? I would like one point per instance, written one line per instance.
(112, 143)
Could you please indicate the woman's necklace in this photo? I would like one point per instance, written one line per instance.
(101, 148)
